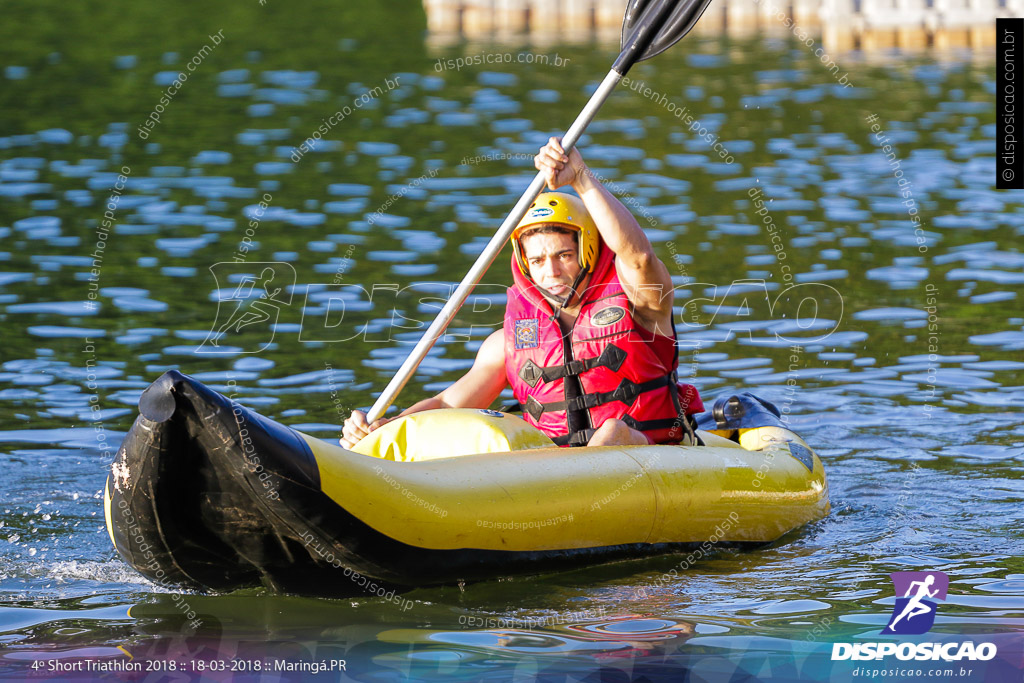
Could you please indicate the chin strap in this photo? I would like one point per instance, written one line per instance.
(563, 301)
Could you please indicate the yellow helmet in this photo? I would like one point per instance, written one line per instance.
(563, 210)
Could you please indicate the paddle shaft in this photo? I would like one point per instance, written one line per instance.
(645, 33)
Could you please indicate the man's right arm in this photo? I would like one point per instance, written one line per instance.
(478, 388)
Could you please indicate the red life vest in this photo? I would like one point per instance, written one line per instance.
(624, 371)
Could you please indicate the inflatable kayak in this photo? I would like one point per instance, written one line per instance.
(207, 493)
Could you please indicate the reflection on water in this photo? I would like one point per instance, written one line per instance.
(913, 400)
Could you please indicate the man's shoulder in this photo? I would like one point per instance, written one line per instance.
(493, 348)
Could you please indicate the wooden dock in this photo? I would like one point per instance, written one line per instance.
(841, 25)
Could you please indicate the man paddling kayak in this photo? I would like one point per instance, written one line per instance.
(588, 341)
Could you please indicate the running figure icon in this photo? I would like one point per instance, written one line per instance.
(920, 590)
(915, 607)
(251, 309)
(248, 311)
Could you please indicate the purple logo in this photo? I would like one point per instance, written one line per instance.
(916, 593)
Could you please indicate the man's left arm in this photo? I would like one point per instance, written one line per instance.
(644, 277)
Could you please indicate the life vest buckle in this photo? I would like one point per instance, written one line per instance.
(530, 373)
(534, 408)
(626, 392)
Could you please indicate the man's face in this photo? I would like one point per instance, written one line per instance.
(553, 262)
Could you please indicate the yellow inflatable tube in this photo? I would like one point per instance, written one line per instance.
(558, 498)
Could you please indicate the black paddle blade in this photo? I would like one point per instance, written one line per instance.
(644, 16)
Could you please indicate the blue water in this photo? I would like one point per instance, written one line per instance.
(909, 375)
